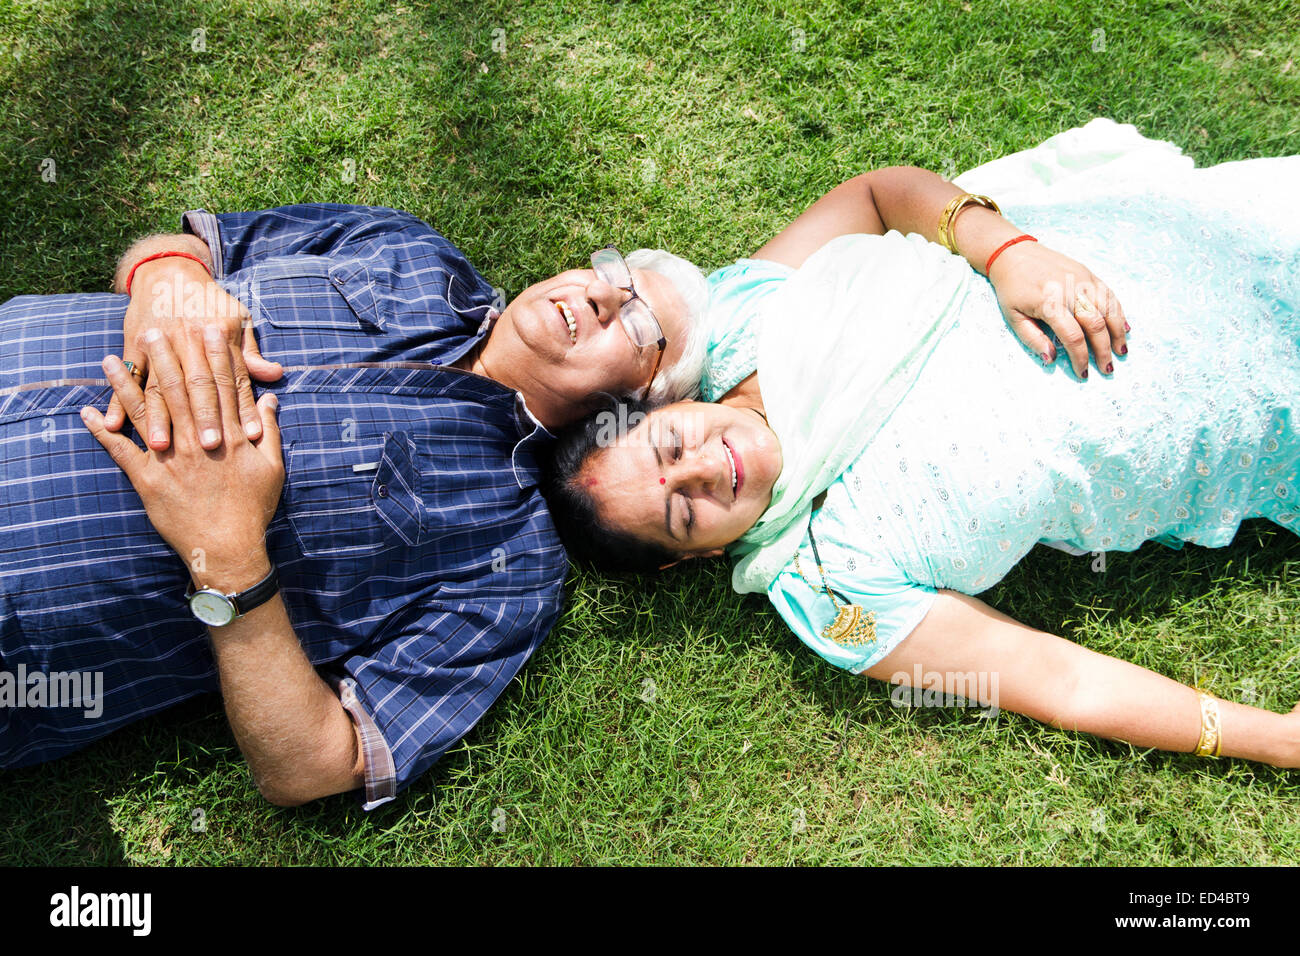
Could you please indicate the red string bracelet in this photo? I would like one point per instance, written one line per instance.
(1004, 247)
(163, 255)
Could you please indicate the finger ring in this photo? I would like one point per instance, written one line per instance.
(1081, 302)
(135, 370)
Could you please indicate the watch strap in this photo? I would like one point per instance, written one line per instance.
(257, 595)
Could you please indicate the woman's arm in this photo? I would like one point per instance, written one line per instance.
(1070, 687)
(903, 198)
(1032, 281)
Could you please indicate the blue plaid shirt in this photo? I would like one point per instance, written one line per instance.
(417, 560)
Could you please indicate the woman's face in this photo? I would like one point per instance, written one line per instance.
(692, 477)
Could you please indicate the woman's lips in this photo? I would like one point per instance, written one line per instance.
(740, 467)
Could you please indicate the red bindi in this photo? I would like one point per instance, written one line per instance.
(663, 481)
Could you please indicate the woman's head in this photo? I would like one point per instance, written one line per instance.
(635, 488)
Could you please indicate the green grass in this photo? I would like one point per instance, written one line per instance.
(704, 128)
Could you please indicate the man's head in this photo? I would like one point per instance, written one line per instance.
(564, 342)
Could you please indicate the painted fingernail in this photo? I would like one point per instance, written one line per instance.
(1084, 374)
(1046, 357)
(1123, 350)
(210, 435)
(1126, 328)
(1110, 368)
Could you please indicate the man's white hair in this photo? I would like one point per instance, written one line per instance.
(681, 380)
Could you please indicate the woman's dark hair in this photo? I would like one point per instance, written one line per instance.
(585, 536)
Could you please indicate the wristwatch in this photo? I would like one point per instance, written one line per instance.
(216, 609)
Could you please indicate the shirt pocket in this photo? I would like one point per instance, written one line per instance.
(352, 498)
(312, 292)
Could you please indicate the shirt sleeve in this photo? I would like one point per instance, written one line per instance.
(879, 588)
(423, 688)
(736, 294)
(239, 239)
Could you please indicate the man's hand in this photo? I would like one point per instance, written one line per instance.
(179, 297)
(1035, 282)
(212, 507)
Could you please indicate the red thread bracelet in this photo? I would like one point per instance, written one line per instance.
(163, 255)
(1004, 247)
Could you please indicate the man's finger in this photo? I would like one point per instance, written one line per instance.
(218, 352)
(123, 451)
(205, 405)
(248, 416)
(269, 409)
(116, 416)
(166, 391)
(262, 369)
(126, 392)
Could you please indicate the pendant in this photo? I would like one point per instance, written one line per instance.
(852, 627)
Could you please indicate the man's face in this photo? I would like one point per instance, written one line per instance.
(559, 369)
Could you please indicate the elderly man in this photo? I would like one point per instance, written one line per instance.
(359, 560)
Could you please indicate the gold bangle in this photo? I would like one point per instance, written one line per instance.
(1211, 742)
(950, 212)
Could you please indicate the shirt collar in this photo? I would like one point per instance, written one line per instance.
(533, 431)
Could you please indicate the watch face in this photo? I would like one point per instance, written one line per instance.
(212, 608)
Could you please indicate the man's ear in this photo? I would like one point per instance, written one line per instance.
(714, 553)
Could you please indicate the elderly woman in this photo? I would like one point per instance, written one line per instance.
(876, 454)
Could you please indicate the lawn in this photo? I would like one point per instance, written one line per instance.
(664, 721)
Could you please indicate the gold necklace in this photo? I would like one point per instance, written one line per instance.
(853, 625)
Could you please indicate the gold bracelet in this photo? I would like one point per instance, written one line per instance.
(955, 206)
(1211, 742)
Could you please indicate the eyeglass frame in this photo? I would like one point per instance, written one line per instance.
(662, 343)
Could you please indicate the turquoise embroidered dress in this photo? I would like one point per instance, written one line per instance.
(990, 452)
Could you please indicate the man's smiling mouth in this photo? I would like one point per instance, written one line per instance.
(569, 320)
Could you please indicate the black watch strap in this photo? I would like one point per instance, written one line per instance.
(258, 594)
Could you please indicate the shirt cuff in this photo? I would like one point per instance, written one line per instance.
(201, 223)
(381, 777)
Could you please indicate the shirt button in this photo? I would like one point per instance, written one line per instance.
(383, 491)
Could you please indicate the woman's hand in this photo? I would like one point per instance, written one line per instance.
(1289, 744)
(212, 507)
(1034, 282)
(179, 298)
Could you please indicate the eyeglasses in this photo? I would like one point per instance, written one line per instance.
(638, 320)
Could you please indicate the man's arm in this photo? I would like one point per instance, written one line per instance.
(153, 245)
(1029, 278)
(299, 741)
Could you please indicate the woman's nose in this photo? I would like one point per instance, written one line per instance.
(700, 469)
